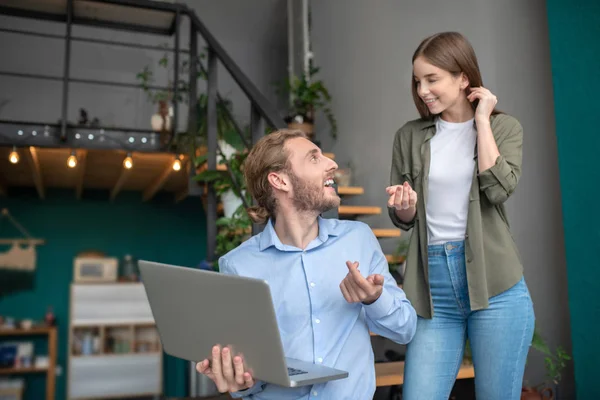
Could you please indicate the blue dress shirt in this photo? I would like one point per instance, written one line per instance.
(316, 323)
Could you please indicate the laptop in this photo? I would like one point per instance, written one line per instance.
(195, 309)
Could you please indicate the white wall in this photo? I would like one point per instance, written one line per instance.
(365, 49)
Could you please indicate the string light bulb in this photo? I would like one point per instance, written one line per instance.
(177, 164)
(13, 157)
(72, 160)
(128, 161)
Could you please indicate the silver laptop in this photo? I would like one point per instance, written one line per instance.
(196, 309)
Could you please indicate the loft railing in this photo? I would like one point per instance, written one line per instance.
(102, 14)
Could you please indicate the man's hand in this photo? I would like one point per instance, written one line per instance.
(356, 288)
(227, 374)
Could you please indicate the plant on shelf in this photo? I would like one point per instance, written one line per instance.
(307, 96)
(188, 141)
(161, 121)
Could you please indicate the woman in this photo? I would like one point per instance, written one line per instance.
(452, 171)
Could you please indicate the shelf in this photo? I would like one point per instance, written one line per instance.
(22, 332)
(104, 355)
(392, 373)
(110, 322)
(387, 233)
(359, 210)
(32, 370)
(350, 190)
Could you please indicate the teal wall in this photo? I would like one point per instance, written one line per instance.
(157, 230)
(574, 28)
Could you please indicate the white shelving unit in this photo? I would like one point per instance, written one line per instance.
(123, 358)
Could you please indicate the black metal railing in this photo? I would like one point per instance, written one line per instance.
(262, 112)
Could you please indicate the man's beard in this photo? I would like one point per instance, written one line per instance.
(311, 197)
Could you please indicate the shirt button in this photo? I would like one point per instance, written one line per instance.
(319, 360)
(318, 321)
(314, 393)
(312, 284)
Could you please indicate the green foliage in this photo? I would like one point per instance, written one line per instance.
(231, 232)
(188, 142)
(555, 363)
(307, 97)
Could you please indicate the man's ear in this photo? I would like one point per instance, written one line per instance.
(279, 181)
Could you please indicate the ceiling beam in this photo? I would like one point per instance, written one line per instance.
(159, 182)
(81, 163)
(34, 162)
(120, 182)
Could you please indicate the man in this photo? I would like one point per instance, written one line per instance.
(329, 279)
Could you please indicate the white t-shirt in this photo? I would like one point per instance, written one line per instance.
(450, 178)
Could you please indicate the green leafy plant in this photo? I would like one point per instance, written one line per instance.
(555, 363)
(308, 96)
(189, 141)
(222, 180)
(231, 232)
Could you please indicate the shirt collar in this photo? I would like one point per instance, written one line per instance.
(268, 237)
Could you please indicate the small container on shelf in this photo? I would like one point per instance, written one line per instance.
(146, 339)
(86, 341)
(117, 340)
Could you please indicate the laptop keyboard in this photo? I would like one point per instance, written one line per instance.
(294, 371)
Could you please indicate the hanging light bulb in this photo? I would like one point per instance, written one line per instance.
(128, 161)
(13, 157)
(72, 160)
(177, 164)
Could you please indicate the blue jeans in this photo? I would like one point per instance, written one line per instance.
(499, 335)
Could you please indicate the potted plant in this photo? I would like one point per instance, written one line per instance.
(554, 363)
(161, 120)
(225, 189)
(188, 141)
(307, 96)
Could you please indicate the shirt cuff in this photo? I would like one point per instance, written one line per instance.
(497, 173)
(258, 387)
(381, 307)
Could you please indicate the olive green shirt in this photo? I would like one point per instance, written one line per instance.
(492, 259)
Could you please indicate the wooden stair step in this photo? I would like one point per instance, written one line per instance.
(350, 190)
(392, 373)
(359, 210)
(393, 259)
(387, 233)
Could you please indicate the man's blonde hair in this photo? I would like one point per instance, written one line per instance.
(268, 155)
